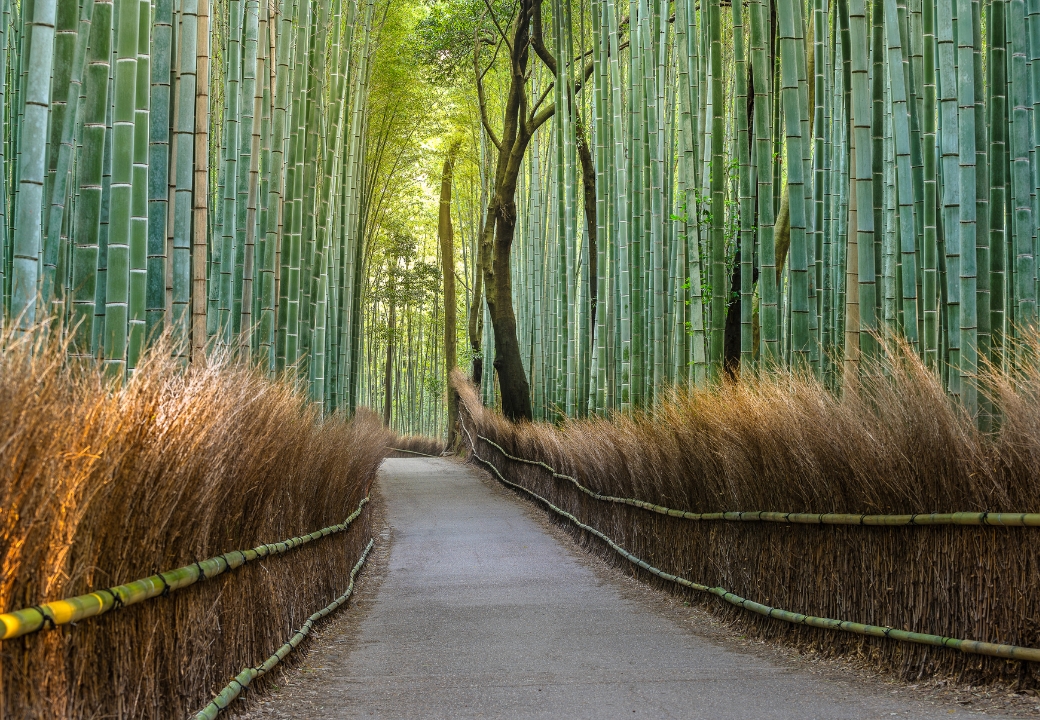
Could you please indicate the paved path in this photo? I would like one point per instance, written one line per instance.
(484, 613)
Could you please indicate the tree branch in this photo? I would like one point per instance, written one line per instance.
(540, 101)
(538, 120)
(537, 42)
(500, 30)
(481, 100)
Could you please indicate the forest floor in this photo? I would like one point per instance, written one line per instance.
(475, 606)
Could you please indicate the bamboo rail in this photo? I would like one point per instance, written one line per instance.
(61, 612)
(413, 452)
(994, 519)
(241, 681)
(975, 647)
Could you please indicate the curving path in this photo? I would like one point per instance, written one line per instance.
(483, 612)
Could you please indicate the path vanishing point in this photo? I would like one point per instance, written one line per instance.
(482, 611)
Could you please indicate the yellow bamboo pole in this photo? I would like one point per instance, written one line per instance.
(61, 612)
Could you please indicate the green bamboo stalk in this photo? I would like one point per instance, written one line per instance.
(762, 76)
(69, 54)
(1033, 24)
(101, 285)
(717, 237)
(70, 116)
(982, 210)
(598, 370)
(248, 180)
(864, 179)
(997, 104)
(325, 241)
(292, 253)
(901, 137)
(822, 131)
(930, 240)
(1021, 176)
(636, 188)
(268, 325)
(89, 180)
(623, 243)
(183, 173)
(117, 291)
(792, 49)
(969, 341)
(653, 70)
(878, 160)
(229, 191)
(159, 179)
(5, 94)
(200, 199)
(951, 187)
(138, 288)
(34, 107)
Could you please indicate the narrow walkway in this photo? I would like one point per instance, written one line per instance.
(484, 613)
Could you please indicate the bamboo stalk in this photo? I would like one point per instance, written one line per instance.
(72, 610)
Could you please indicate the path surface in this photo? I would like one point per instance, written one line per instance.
(484, 613)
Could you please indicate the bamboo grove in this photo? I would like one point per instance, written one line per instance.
(738, 187)
(402, 368)
(190, 167)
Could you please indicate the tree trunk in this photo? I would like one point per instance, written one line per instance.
(731, 337)
(475, 309)
(519, 125)
(588, 184)
(447, 240)
(501, 223)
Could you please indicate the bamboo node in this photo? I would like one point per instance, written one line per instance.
(46, 618)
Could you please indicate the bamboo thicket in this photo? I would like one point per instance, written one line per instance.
(193, 168)
(777, 184)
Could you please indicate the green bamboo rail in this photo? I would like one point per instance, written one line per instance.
(241, 681)
(993, 519)
(974, 647)
(61, 612)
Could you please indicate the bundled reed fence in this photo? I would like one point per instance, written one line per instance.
(785, 444)
(101, 486)
(411, 446)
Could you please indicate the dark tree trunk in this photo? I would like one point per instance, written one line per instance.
(520, 124)
(731, 335)
(475, 309)
(588, 184)
(512, 380)
(447, 239)
(500, 222)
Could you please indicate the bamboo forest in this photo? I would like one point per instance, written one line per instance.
(646, 196)
(596, 359)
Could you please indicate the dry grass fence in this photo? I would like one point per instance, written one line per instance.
(785, 444)
(411, 446)
(100, 487)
